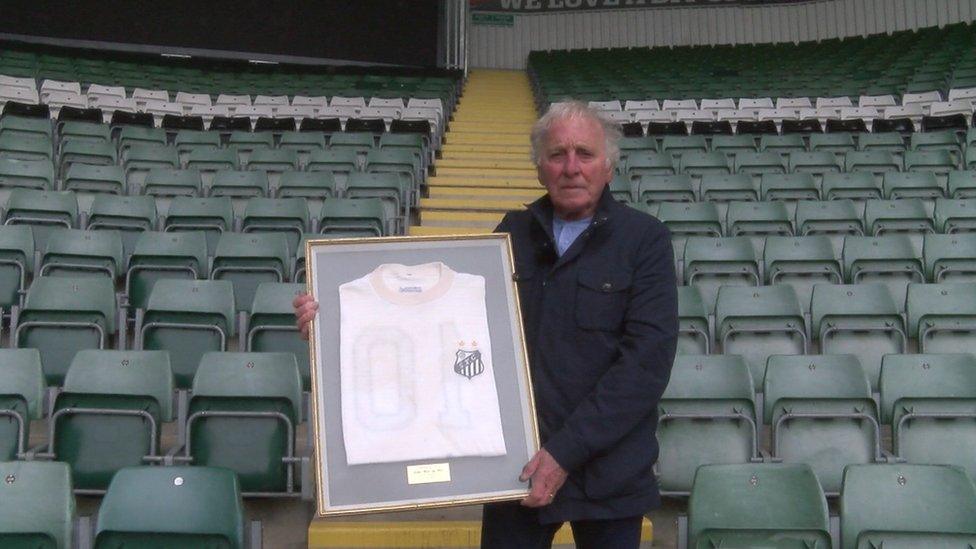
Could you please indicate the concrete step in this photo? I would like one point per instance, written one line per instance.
(486, 163)
(462, 204)
(425, 230)
(482, 182)
(486, 139)
(410, 534)
(437, 218)
(482, 172)
(482, 127)
(486, 148)
(476, 193)
(475, 155)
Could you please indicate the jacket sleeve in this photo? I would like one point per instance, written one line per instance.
(630, 389)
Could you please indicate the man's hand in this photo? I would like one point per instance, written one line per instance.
(305, 309)
(547, 478)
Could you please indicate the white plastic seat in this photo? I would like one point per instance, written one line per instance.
(338, 101)
(189, 100)
(142, 95)
(877, 101)
(317, 102)
(604, 105)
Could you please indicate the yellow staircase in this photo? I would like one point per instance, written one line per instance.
(485, 168)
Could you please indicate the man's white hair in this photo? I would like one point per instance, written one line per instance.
(571, 109)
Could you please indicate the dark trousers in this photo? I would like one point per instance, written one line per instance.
(510, 526)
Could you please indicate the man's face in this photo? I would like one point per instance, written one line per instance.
(573, 166)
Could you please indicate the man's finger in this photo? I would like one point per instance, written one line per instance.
(530, 468)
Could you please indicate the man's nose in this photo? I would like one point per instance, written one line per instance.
(572, 164)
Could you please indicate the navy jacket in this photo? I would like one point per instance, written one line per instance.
(601, 327)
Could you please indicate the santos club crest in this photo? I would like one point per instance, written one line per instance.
(468, 363)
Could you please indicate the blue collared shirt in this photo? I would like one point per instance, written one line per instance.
(566, 232)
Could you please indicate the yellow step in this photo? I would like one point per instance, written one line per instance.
(442, 218)
(522, 155)
(486, 163)
(483, 182)
(485, 138)
(485, 127)
(482, 172)
(468, 204)
(476, 193)
(422, 230)
(451, 148)
(409, 534)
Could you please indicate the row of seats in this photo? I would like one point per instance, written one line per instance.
(820, 410)
(744, 216)
(884, 64)
(113, 405)
(159, 506)
(186, 316)
(868, 320)
(838, 143)
(782, 505)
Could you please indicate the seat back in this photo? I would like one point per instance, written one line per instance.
(36, 504)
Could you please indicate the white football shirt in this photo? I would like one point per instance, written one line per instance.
(415, 366)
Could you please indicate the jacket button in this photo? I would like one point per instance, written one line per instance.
(607, 286)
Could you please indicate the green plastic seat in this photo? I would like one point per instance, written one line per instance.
(891, 260)
(839, 144)
(722, 188)
(945, 140)
(891, 142)
(755, 323)
(801, 262)
(110, 413)
(686, 219)
(273, 162)
(857, 319)
(36, 505)
(758, 505)
(649, 163)
(875, 163)
(342, 217)
(938, 162)
(710, 263)
(26, 126)
(16, 264)
(258, 397)
(248, 260)
(239, 184)
(187, 318)
(935, 506)
(159, 255)
(129, 215)
(815, 163)
(904, 216)
(358, 142)
(789, 187)
(628, 145)
(758, 220)
(79, 151)
(139, 159)
(402, 162)
(72, 130)
(694, 333)
(21, 399)
(821, 413)
(77, 253)
(129, 136)
(622, 188)
(213, 216)
(942, 317)
(677, 145)
(759, 163)
(193, 507)
(336, 161)
(271, 325)
(853, 186)
(955, 215)
(207, 161)
(697, 164)
(962, 183)
(929, 400)
(25, 148)
(244, 143)
(665, 188)
(303, 143)
(62, 316)
(782, 144)
(314, 187)
(189, 140)
(282, 215)
(163, 184)
(392, 189)
(734, 144)
(87, 178)
(950, 257)
(706, 415)
(31, 174)
(922, 185)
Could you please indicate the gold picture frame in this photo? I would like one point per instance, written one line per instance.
(390, 484)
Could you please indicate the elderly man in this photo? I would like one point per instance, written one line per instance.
(599, 303)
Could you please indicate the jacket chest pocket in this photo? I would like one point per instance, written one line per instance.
(601, 299)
